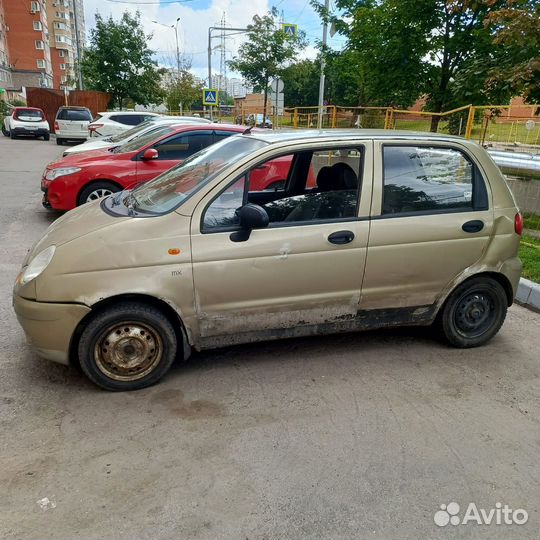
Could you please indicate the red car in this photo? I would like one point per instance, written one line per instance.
(74, 180)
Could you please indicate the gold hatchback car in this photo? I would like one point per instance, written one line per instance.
(272, 235)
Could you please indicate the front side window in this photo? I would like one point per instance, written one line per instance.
(140, 142)
(304, 187)
(425, 179)
(185, 145)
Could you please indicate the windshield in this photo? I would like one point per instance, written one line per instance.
(167, 191)
(146, 138)
(130, 133)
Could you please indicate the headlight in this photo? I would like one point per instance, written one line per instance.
(37, 265)
(63, 171)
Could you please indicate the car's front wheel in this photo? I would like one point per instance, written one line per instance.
(474, 312)
(127, 346)
(97, 190)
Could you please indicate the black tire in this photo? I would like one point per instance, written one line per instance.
(135, 321)
(59, 141)
(94, 187)
(46, 137)
(474, 312)
(5, 132)
(12, 135)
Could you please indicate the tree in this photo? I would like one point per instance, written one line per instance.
(181, 88)
(119, 61)
(517, 34)
(266, 52)
(301, 81)
(409, 48)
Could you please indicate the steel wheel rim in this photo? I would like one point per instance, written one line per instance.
(98, 194)
(475, 313)
(128, 351)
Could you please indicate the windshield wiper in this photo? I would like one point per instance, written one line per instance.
(131, 203)
(116, 199)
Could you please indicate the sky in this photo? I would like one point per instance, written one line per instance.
(195, 18)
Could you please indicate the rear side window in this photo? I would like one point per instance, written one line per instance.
(220, 135)
(419, 179)
(79, 115)
(128, 119)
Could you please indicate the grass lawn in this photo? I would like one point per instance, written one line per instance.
(529, 253)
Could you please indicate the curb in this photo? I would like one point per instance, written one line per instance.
(528, 294)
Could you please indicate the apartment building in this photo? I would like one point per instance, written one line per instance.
(27, 35)
(5, 73)
(66, 20)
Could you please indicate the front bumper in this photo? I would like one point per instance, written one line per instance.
(49, 327)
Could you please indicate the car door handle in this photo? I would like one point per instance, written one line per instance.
(473, 226)
(341, 237)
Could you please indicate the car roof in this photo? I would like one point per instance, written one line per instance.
(306, 135)
(76, 107)
(205, 127)
(27, 108)
(128, 112)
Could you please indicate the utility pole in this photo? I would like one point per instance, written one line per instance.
(77, 44)
(210, 37)
(323, 63)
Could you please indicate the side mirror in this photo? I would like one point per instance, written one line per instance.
(150, 153)
(252, 216)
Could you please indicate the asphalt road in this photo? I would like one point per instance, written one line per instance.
(349, 436)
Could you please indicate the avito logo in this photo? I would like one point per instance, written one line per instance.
(500, 515)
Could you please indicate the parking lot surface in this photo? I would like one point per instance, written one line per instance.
(350, 436)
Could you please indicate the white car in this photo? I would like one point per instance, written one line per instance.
(106, 124)
(71, 123)
(126, 136)
(26, 121)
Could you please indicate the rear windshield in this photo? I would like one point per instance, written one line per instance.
(138, 142)
(80, 115)
(30, 114)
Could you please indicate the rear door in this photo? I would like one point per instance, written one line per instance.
(431, 220)
(172, 151)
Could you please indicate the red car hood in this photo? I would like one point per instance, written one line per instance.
(87, 158)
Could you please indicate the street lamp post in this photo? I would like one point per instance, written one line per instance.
(175, 27)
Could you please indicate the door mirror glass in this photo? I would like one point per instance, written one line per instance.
(150, 153)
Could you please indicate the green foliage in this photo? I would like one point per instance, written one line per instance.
(301, 81)
(448, 50)
(517, 35)
(119, 61)
(266, 52)
(182, 91)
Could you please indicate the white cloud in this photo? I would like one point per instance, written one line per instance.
(193, 26)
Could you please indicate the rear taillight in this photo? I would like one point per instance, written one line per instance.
(518, 223)
(56, 126)
(94, 127)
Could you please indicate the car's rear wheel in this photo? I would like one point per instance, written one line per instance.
(46, 137)
(97, 190)
(12, 135)
(127, 346)
(59, 141)
(5, 132)
(474, 312)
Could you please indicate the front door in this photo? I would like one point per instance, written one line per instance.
(306, 267)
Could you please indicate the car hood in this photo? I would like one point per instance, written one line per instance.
(83, 158)
(90, 146)
(76, 223)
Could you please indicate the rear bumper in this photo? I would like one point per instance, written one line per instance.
(49, 327)
(39, 132)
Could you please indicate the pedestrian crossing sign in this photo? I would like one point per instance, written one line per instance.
(290, 30)
(210, 97)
